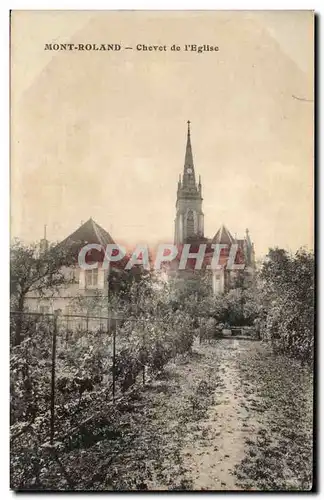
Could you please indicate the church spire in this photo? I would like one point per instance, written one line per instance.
(189, 222)
(188, 169)
(188, 157)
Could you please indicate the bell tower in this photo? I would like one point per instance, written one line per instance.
(189, 221)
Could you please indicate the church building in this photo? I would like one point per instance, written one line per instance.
(189, 228)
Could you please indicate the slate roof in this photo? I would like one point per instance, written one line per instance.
(89, 232)
(223, 236)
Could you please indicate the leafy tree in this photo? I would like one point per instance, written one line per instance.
(288, 298)
(35, 271)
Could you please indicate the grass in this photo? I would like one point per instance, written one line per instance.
(279, 454)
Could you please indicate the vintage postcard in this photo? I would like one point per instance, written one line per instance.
(162, 251)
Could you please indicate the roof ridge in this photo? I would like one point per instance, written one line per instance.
(84, 230)
(96, 229)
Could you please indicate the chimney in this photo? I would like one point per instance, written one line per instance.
(44, 242)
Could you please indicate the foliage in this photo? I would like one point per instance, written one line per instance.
(32, 270)
(30, 381)
(288, 302)
(147, 338)
(236, 307)
(158, 325)
(155, 331)
(94, 303)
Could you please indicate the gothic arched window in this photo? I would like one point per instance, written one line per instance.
(190, 223)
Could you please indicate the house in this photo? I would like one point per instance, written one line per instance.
(86, 291)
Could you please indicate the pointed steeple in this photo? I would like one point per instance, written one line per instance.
(189, 169)
(188, 157)
(189, 220)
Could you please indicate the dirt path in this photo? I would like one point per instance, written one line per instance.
(225, 424)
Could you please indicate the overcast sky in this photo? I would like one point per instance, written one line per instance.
(103, 134)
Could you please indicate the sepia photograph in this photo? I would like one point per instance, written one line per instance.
(162, 265)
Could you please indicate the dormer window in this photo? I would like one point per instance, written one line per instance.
(91, 278)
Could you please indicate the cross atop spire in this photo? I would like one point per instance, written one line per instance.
(188, 158)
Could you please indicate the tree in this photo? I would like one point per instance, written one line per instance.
(35, 271)
(288, 297)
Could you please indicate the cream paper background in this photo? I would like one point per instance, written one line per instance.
(103, 134)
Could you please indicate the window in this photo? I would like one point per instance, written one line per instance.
(190, 224)
(91, 276)
(44, 309)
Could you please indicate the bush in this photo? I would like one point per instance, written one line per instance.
(288, 297)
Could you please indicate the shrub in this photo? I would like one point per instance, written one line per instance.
(288, 297)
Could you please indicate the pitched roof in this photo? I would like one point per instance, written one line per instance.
(189, 179)
(90, 232)
(188, 156)
(223, 236)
